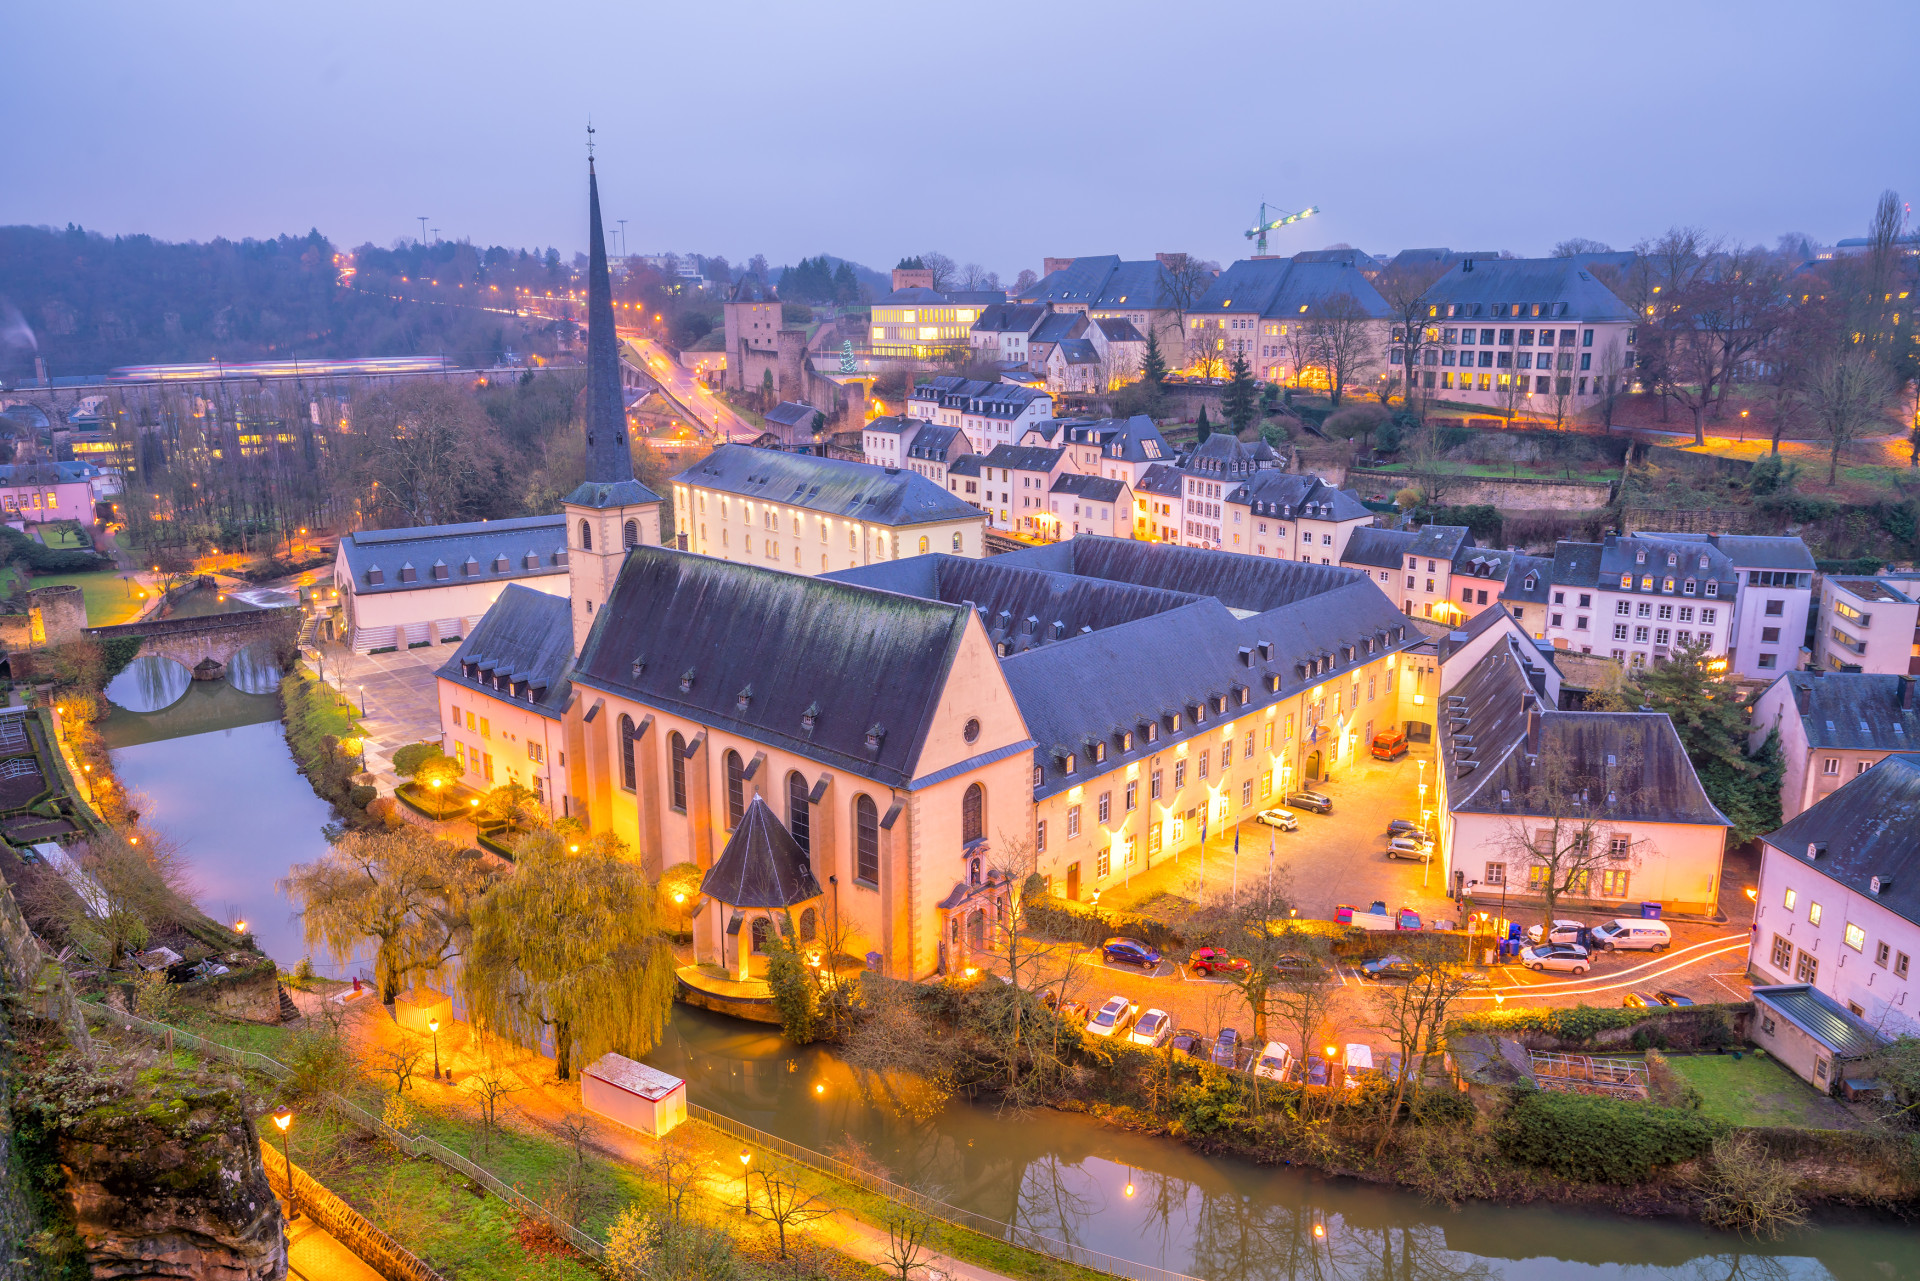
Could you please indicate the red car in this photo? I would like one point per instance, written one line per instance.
(1211, 960)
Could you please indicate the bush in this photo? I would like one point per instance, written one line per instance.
(1599, 1140)
(361, 795)
(42, 559)
(407, 760)
(1482, 518)
(1054, 919)
(1442, 1107)
(1746, 1190)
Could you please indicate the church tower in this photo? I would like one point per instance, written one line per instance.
(611, 511)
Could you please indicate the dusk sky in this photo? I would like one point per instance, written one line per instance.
(996, 135)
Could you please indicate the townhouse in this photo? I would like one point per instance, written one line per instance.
(1080, 504)
(1159, 504)
(990, 413)
(884, 440)
(1833, 727)
(1016, 481)
(933, 448)
(1278, 313)
(1775, 597)
(1639, 597)
(1837, 907)
(1521, 331)
(1292, 516)
(1002, 331)
(1119, 448)
(807, 514)
(36, 492)
(1869, 624)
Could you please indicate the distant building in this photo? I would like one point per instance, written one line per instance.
(1106, 286)
(1834, 727)
(1002, 331)
(503, 694)
(413, 587)
(1268, 309)
(808, 515)
(1639, 597)
(1016, 481)
(33, 493)
(1869, 625)
(1079, 504)
(798, 426)
(919, 323)
(990, 413)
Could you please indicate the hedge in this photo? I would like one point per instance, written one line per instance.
(1577, 1023)
(42, 559)
(1601, 1140)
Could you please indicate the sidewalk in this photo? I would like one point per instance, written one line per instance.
(313, 1254)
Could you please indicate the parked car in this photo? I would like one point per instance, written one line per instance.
(1640, 1000)
(1411, 848)
(1216, 960)
(1359, 1064)
(1629, 933)
(1402, 827)
(1192, 1044)
(1226, 1048)
(1285, 820)
(1275, 1062)
(1559, 932)
(1126, 951)
(1153, 1027)
(1556, 956)
(1318, 802)
(1674, 999)
(1291, 966)
(1115, 1017)
(1317, 1071)
(1472, 977)
(1389, 745)
(1389, 967)
(1075, 1012)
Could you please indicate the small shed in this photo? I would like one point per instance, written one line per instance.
(1810, 1032)
(633, 1094)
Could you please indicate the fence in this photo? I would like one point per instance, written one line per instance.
(347, 1225)
(1025, 1238)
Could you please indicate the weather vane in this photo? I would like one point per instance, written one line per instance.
(589, 138)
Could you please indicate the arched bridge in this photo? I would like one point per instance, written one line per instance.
(191, 641)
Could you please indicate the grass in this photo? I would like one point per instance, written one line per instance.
(1756, 1090)
(63, 534)
(108, 599)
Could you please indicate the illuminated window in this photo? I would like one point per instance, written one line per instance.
(1813, 914)
(1856, 937)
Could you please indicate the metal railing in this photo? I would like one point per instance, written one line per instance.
(411, 1144)
(1025, 1238)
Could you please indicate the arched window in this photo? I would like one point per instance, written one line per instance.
(630, 534)
(923, 544)
(626, 752)
(809, 925)
(956, 542)
(736, 789)
(677, 749)
(762, 931)
(866, 840)
(586, 537)
(799, 818)
(973, 814)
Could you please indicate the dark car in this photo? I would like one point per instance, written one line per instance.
(1402, 827)
(1215, 960)
(1316, 1072)
(1298, 967)
(1226, 1048)
(1640, 1000)
(1126, 951)
(1389, 967)
(1071, 1011)
(1318, 802)
(1192, 1044)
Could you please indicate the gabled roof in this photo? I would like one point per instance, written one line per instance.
(1133, 440)
(965, 465)
(526, 636)
(1622, 555)
(1024, 457)
(792, 413)
(1161, 478)
(1118, 329)
(1296, 496)
(1870, 828)
(1753, 551)
(47, 473)
(892, 425)
(808, 665)
(1859, 711)
(1098, 489)
(860, 491)
(1520, 569)
(1576, 564)
(470, 552)
(1483, 562)
(762, 865)
(1284, 288)
(932, 441)
(1442, 542)
(1060, 326)
(1104, 282)
(1822, 1018)
(1078, 351)
(1563, 286)
(1010, 318)
(1381, 548)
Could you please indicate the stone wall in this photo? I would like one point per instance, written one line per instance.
(1509, 493)
(61, 615)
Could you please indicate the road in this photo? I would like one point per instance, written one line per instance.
(691, 396)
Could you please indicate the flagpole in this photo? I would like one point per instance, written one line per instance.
(1270, 840)
(1203, 852)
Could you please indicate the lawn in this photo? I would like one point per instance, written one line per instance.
(63, 534)
(1756, 1090)
(108, 599)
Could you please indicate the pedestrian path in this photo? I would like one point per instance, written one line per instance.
(314, 1254)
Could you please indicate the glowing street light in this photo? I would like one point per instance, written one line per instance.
(282, 1118)
(746, 1190)
(433, 1026)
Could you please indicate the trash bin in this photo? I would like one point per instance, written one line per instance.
(1650, 911)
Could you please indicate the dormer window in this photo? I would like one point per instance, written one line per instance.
(1669, 584)
(1646, 582)
(1672, 559)
(1072, 763)
(500, 564)
(1687, 587)
(1153, 731)
(1626, 582)
(686, 681)
(743, 699)
(1640, 558)
(1703, 562)
(1126, 740)
(1713, 587)
(1176, 722)
(1527, 582)
(875, 734)
(376, 576)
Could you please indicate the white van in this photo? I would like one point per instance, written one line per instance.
(1631, 934)
(1359, 1064)
(1274, 1063)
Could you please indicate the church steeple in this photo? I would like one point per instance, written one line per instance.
(608, 458)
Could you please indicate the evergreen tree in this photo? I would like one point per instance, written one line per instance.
(1240, 404)
(1203, 427)
(1153, 369)
(1697, 693)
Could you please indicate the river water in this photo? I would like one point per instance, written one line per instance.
(212, 763)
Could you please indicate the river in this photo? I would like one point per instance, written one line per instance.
(213, 764)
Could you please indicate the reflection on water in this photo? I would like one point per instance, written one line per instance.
(148, 684)
(1066, 1176)
(252, 670)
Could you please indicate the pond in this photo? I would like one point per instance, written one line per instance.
(1222, 1219)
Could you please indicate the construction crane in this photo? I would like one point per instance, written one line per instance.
(1258, 234)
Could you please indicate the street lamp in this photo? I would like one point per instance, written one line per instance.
(438, 810)
(363, 700)
(433, 1026)
(746, 1191)
(282, 1118)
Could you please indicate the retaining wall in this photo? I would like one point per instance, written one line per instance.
(1510, 493)
(347, 1225)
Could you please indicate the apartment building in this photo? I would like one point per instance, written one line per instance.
(1015, 482)
(884, 440)
(1775, 597)
(990, 413)
(1269, 309)
(1159, 504)
(1120, 448)
(1522, 332)
(1003, 329)
(1080, 504)
(1106, 287)
(503, 696)
(1292, 516)
(807, 514)
(1869, 625)
(918, 323)
(1834, 727)
(1637, 598)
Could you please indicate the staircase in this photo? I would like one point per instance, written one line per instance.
(288, 1010)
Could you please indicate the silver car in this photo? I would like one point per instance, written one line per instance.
(1410, 848)
(1556, 956)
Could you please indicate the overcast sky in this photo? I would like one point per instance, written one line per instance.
(996, 134)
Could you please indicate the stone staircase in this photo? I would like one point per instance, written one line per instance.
(288, 1010)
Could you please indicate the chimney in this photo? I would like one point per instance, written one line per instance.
(1533, 728)
(1906, 693)
(1050, 265)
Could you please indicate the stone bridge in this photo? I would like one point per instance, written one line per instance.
(214, 638)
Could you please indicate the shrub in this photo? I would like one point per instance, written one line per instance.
(1442, 1107)
(1746, 1190)
(361, 795)
(42, 559)
(407, 760)
(1599, 1140)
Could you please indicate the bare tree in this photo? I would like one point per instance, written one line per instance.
(907, 1232)
(1408, 290)
(1305, 993)
(788, 1205)
(1846, 395)
(490, 1089)
(1183, 279)
(1024, 281)
(1348, 339)
(1577, 245)
(1254, 927)
(1729, 308)
(1561, 832)
(944, 272)
(1414, 1013)
(400, 1064)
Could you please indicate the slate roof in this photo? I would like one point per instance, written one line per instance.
(1381, 548)
(762, 865)
(1822, 1018)
(932, 441)
(1482, 562)
(1098, 489)
(1459, 638)
(965, 465)
(1024, 457)
(1871, 827)
(1161, 478)
(1652, 776)
(891, 424)
(600, 495)
(1519, 568)
(1223, 455)
(1118, 329)
(1576, 565)
(47, 473)
(974, 396)
(1860, 711)
(792, 413)
(1441, 542)
(469, 551)
(1104, 282)
(1563, 285)
(1133, 440)
(524, 638)
(609, 457)
(857, 658)
(1753, 551)
(1009, 318)
(862, 491)
(1620, 555)
(1078, 351)
(1288, 288)
(1252, 583)
(1296, 496)
(1059, 327)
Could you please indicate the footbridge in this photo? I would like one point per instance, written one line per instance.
(216, 637)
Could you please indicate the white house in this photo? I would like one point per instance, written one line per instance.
(1869, 625)
(1838, 903)
(991, 413)
(1775, 589)
(1639, 597)
(1834, 727)
(1293, 516)
(411, 587)
(885, 440)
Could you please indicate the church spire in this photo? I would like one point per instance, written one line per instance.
(608, 457)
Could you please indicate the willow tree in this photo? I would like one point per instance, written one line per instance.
(571, 944)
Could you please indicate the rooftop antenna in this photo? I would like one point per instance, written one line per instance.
(1260, 228)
